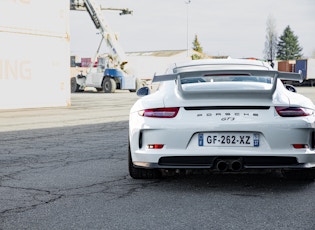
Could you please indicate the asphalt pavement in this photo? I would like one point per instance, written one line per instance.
(86, 108)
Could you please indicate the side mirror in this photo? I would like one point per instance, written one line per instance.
(290, 88)
(144, 91)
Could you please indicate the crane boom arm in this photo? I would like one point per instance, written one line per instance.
(95, 12)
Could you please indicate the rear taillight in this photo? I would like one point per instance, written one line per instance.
(293, 111)
(159, 112)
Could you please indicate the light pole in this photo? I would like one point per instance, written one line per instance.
(187, 29)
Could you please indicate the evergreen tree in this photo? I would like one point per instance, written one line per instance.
(288, 46)
(196, 47)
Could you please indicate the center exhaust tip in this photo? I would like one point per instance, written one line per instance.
(222, 166)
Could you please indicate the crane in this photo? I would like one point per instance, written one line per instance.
(105, 79)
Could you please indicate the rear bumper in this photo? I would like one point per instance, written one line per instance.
(210, 162)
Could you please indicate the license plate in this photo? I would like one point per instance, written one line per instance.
(228, 139)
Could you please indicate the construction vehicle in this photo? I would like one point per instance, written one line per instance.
(111, 74)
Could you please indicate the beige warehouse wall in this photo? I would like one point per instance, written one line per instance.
(34, 54)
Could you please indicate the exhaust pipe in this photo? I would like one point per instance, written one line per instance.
(232, 165)
(236, 165)
(222, 166)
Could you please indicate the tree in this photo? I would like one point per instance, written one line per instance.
(196, 47)
(271, 39)
(288, 46)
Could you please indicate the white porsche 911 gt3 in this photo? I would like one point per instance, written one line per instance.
(222, 115)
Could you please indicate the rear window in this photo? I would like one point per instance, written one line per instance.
(227, 78)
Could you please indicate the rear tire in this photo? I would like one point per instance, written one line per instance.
(141, 173)
(109, 85)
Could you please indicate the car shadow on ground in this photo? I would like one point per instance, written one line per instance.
(273, 181)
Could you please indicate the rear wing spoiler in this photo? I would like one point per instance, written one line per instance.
(259, 93)
(276, 74)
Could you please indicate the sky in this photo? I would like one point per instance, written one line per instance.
(235, 28)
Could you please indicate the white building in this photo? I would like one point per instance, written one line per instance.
(34, 57)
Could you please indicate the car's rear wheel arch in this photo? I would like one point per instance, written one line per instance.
(141, 173)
